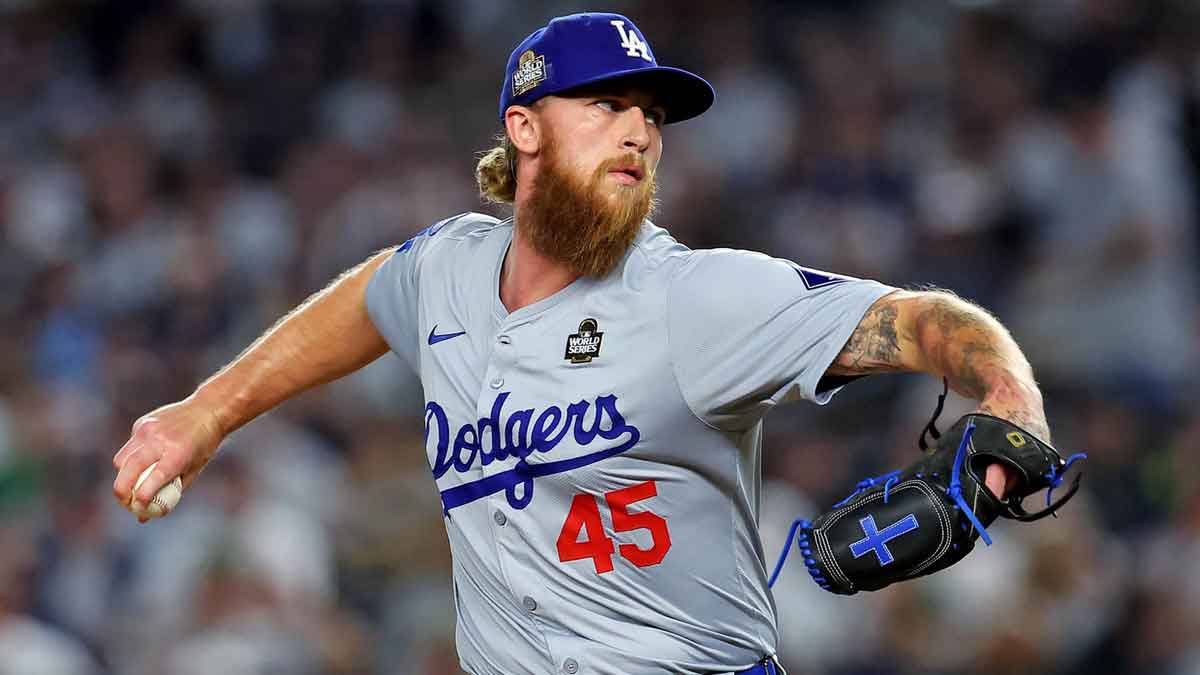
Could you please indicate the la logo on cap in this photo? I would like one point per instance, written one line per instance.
(531, 71)
(630, 42)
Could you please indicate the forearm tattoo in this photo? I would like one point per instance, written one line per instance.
(957, 339)
(1033, 421)
(945, 335)
(980, 360)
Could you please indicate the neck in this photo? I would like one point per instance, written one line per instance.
(528, 276)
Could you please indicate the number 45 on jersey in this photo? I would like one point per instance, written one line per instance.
(584, 519)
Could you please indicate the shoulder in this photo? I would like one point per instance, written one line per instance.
(658, 255)
(725, 282)
(653, 248)
(734, 270)
(462, 229)
(728, 266)
(654, 256)
(448, 244)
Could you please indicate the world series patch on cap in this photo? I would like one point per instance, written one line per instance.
(579, 49)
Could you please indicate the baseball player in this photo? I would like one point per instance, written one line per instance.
(594, 389)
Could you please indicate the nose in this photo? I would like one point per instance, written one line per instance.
(637, 131)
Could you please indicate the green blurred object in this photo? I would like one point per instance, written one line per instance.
(22, 485)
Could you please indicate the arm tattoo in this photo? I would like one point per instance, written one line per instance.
(959, 342)
(938, 333)
(981, 361)
(1034, 423)
(874, 347)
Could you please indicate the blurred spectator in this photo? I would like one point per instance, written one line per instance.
(30, 646)
(1111, 251)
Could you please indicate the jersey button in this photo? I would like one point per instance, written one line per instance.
(504, 340)
(571, 666)
(497, 383)
(530, 603)
(499, 518)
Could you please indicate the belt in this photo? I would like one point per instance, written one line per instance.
(768, 666)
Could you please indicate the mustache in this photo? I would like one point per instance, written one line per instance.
(630, 160)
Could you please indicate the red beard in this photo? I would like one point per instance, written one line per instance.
(586, 225)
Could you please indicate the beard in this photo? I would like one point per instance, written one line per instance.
(587, 225)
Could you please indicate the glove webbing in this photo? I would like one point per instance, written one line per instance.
(1056, 474)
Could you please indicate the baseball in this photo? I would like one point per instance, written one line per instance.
(165, 500)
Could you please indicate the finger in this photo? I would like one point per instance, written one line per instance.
(996, 480)
(131, 446)
(131, 468)
(169, 466)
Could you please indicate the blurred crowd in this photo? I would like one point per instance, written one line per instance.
(174, 176)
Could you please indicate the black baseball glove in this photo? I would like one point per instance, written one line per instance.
(918, 520)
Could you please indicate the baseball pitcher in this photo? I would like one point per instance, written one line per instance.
(595, 391)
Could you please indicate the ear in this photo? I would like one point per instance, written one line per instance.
(523, 129)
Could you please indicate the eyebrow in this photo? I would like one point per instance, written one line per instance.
(628, 94)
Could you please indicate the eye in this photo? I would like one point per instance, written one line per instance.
(607, 105)
(656, 116)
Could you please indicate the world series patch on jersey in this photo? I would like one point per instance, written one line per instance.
(590, 448)
(584, 346)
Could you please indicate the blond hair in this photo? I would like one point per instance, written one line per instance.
(496, 172)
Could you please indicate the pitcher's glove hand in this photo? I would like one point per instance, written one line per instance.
(924, 518)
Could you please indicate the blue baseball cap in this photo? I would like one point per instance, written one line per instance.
(580, 49)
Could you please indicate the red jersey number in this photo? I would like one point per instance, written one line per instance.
(585, 516)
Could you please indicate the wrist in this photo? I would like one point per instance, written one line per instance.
(220, 405)
(1018, 400)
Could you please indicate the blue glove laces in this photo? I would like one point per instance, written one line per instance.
(889, 479)
(955, 489)
(805, 548)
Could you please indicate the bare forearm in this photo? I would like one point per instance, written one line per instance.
(326, 337)
(979, 358)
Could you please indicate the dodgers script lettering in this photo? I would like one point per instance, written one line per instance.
(517, 435)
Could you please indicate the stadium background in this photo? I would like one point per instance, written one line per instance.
(176, 175)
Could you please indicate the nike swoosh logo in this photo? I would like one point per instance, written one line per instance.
(434, 338)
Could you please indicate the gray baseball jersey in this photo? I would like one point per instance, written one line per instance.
(597, 452)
